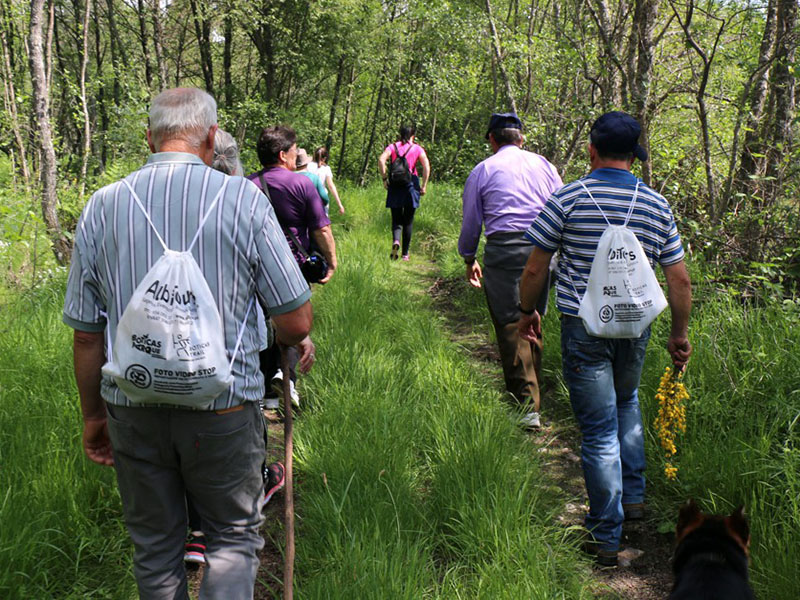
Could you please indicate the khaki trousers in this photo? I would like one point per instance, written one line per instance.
(505, 256)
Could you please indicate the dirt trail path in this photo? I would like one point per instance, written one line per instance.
(647, 577)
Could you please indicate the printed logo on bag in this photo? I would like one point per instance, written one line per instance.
(144, 343)
(606, 314)
(622, 253)
(138, 376)
(186, 350)
(610, 290)
(160, 292)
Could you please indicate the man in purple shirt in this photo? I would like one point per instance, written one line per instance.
(504, 194)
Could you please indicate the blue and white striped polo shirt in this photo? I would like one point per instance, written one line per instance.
(571, 223)
(241, 252)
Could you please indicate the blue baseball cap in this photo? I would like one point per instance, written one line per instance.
(508, 120)
(618, 133)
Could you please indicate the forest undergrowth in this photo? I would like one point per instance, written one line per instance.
(414, 481)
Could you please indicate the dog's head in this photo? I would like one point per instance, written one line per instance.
(734, 525)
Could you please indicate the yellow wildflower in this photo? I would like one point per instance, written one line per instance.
(671, 419)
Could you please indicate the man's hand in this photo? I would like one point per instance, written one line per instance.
(96, 442)
(530, 326)
(680, 350)
(422, 190)
(474, 274)
(341, 209)
(386, 184)
(328, 275)
(307, 355)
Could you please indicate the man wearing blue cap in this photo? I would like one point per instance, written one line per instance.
(503, 195)
(603, 374)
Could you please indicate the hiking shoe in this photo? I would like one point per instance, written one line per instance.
(277, 387)
(395, 251)
(195, 548)
(531, 421)
(633, 512)
(276, 477)
(405, 257)
(603, 558)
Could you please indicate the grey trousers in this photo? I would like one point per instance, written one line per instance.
(162, 456)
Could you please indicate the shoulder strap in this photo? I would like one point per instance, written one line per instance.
(627, 219)
(630, 208)
(286, 230)
(199, 228)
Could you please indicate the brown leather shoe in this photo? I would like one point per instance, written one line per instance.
(633, 512)
(603, 558)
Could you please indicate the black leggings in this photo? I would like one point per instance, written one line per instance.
(403, 218)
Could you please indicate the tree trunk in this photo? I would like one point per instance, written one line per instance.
(348, 104)
(334, 102)
(119, 57)
(60, 244)
(10, 98)
(707, 59)
(87, 126)
(782, 89)
(148, 68)
(202, 28)
(101, 94)
(644, 20)
(370, 144)
(499, 58)
(756, 98)
(227, 59)
(158, 35)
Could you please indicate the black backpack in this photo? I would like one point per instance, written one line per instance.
(399, 175)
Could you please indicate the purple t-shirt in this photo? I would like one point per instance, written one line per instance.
(295, 201)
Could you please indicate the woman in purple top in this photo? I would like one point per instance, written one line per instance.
(403, 198)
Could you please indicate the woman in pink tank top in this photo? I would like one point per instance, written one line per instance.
(403, 187)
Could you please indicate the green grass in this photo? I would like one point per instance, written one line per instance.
(416, 483)
(60, 533)
(413, 481)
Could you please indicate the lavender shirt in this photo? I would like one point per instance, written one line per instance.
(505, 193)
(295, 200)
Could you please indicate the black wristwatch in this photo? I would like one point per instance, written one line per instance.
(469, 261)
(523, 311)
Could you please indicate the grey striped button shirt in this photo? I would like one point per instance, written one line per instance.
(241, 251)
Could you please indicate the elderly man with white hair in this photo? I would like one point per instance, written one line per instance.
(163, 452)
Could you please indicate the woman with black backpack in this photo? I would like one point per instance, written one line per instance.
(403, 185)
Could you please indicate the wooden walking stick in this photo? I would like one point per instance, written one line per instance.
(288, 492)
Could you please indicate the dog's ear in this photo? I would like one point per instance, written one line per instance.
(738, 526)
(689, 515)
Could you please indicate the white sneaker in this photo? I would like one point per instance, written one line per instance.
(531, 421)
(270, 403)
(277, 387)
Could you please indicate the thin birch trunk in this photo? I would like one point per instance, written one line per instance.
(60, 245)
(87, 126)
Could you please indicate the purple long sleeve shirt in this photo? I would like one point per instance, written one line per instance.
(505, 193)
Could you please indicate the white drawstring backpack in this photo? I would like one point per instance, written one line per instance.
(170, 344)
(622, 295)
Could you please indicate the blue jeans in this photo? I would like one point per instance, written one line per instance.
(603, 379)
